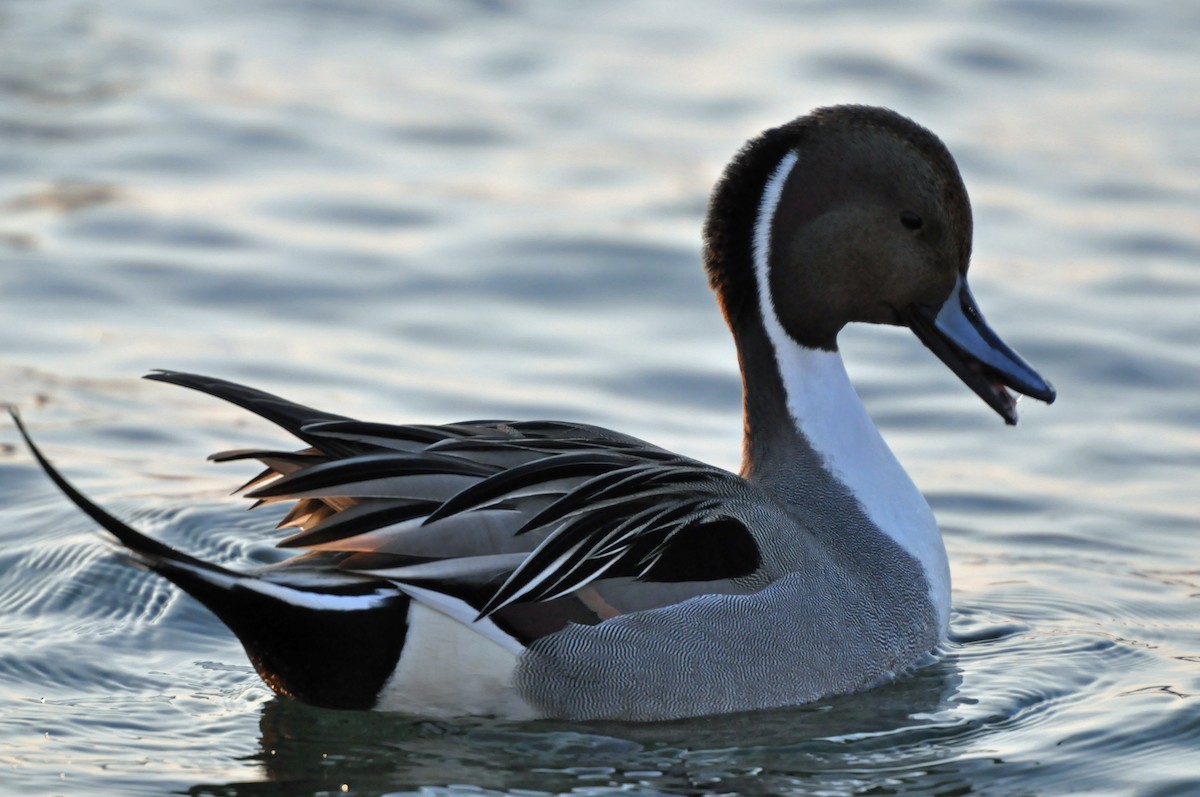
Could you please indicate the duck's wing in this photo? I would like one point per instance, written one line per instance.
(525, 525)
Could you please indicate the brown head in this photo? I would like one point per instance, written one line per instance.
(854, 213)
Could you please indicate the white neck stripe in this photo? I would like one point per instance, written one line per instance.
(827, 411)
(762, 229)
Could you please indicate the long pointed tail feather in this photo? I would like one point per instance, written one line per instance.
(330, 642)
(141, 545)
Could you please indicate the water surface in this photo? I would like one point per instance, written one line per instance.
(431, 211)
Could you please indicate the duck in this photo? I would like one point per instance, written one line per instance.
(549, 569)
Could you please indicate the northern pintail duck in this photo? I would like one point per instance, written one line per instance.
(550, 569)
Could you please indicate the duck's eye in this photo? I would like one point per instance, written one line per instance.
(910, 220)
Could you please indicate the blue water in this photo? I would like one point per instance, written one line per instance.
(434, 210)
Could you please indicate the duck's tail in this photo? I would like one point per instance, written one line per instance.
(325, 637)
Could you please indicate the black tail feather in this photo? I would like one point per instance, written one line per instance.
(339, 657)
(145, 548)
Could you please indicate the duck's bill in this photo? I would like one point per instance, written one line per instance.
(958, 335)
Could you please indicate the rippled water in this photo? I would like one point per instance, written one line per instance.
(436, 210)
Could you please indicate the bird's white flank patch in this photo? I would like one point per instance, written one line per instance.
(448, 669)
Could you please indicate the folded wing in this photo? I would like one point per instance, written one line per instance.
(524, 525)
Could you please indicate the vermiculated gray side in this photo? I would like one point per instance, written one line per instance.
(805, 636)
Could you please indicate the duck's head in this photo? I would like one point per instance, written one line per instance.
(854, 213)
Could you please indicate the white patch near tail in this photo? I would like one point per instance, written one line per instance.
(285, 593)
(294, 596)
(448, 669)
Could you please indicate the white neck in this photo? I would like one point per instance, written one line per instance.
(828, 412)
